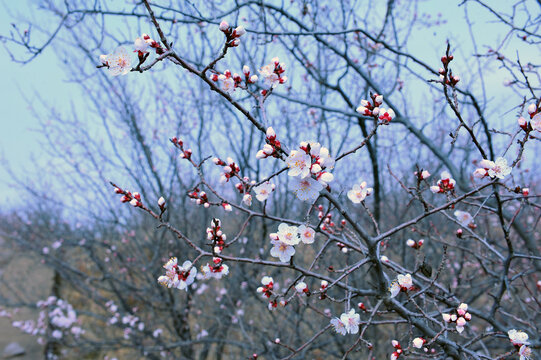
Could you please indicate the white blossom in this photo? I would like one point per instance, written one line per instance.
(119, 62)
(289, 235)
(263, 191)
(359, 192)
(351, 321)
(306, 234)
(282, 251)
(299, 163)
(307, 189)
(464, 218)
(518, 337)
(339, 326)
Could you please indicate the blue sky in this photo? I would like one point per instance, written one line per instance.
(19, 140)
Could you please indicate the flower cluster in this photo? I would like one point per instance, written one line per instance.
(415, 244)
(176, 276)
(519, 339)
(134, 199)
(230, 82)
(309, 165)
(397, 350)
(372, 108)
(199, 197)
(359, 192)
(273, 73)
(347, 323)
(232, 35)
(272, 146)
(452, 80)
(460, 316)
(215, 234)
(143, 42)
(446, 77)
(445, 184)
(268, 285)
(230, 168)
(494, 169)
(402, 283)
(287, 237)
(465, 219)
(55, 312)
(215, 270)
(118, 63)
(328, 225)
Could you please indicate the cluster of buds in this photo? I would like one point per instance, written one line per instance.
(215, 234)
(215, 270)
(232, 35)
(535, 119)
(415, 244)
(141, 46)
(230, 82)
(422, 175)
(327, 224)
(142, 43)
(397, 350)
(230, 168)
(272, 146)
(134, 199)
(446, 77)
(452, 80)
(186, 153)
(199, 197)
(273, 74)
(460, 317)
(373, 109)
(302, 288)
(445, 184)
(266, 289)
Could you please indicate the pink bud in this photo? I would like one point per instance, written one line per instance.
(224, 25)
(531, 109)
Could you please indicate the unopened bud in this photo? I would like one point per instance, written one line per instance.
(161, 202)
(224, 25)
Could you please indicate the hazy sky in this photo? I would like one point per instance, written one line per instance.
(19, 140)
